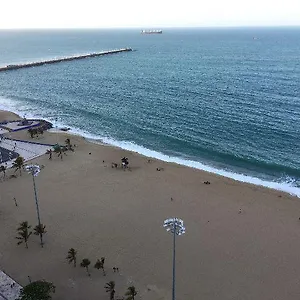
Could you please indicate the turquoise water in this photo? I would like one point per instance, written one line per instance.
(222, 100)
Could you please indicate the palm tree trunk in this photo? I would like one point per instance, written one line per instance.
(74, 263)
(87, 269)
(26, 244)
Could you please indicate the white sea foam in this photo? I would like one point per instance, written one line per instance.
(21, 109)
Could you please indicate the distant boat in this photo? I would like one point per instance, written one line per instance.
(151, 31)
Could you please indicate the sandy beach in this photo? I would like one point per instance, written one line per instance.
(241, 242)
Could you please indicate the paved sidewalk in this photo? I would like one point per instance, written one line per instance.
(9, 289)
(6, 155)
(17, 125)
(27, 150)
(2, 130)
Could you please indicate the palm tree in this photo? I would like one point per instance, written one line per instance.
(68, 144)
(31, 131)
(72, 256)
(19, 164)
(49, 151)
(131, 293)
(40, 230)
(24, 233)
(40, 131)
(110, 288)
(3, 170)
(100, 264)
(85, 264)
(60, 150)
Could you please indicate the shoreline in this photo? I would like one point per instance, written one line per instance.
(140, 150)
(100, 143)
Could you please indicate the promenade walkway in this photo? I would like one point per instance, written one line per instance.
(25, 149)
(16, 126)
(9, 289)
(2, 131)
(10, 148)
(6, 155)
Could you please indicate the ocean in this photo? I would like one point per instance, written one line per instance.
(221, 100)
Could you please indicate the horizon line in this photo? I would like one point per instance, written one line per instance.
(152, 27)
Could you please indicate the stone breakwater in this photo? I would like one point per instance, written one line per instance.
(63, 59)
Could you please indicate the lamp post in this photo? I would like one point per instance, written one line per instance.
(56, 125)
(34, 170)
(175, 226)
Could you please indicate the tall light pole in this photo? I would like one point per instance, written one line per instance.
(56, 120)
(34, 170)
(175, 226)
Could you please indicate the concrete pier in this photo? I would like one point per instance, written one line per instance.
(57, 60)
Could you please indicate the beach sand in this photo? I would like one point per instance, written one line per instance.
(7, 115)
(242, 241)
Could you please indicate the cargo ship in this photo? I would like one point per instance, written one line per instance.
(151, 32)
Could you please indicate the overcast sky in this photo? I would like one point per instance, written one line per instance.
(147, 14)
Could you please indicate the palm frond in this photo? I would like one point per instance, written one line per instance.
(85, 262)
(71, 255)
(23, 233)
(39, 229)
(131, 293)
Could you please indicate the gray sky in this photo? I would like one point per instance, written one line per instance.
(145, 14)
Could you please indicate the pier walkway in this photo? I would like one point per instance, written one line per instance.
(57, 60)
